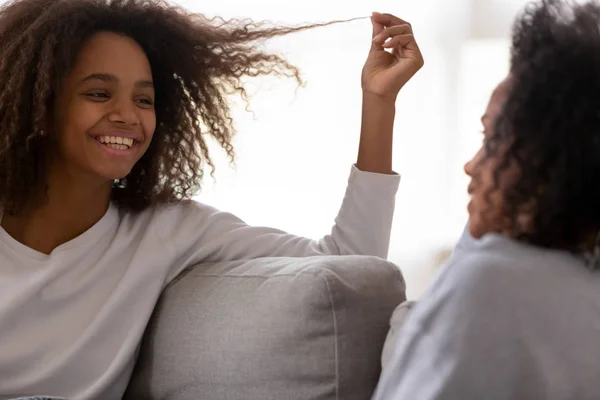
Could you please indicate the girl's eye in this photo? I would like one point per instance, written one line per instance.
(98, 95)
(145, 103)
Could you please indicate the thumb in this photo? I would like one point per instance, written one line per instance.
(377, 29)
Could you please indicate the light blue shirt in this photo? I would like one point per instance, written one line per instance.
(502, 320)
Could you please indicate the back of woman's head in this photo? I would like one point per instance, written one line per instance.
(195, 63)
(551, 119)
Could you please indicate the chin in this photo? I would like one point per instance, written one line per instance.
(120, 176)
(107, 177)
(115, 173)
(475, 227)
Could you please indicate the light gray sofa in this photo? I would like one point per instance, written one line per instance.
(274, 328)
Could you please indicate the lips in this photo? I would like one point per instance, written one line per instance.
(471, 189)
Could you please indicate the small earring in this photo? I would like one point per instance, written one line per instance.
(120, 183)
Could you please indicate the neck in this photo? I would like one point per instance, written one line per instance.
(72, 205)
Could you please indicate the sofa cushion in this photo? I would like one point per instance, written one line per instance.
(274, 328)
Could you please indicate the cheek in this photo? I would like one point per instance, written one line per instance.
(487, 203)
(72, 127)
(79, 115)
(148, 122)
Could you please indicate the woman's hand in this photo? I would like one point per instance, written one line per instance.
(385, 73)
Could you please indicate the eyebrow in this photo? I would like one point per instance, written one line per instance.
(110, 78)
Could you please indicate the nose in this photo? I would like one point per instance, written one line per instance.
(468, 168)
(124, 112)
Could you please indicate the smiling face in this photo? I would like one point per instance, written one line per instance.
(104, 115)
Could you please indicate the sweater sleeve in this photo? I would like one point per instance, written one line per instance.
(196, 233)
(462, 339)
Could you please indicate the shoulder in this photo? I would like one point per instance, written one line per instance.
(184, 208)
(495, 276)
(183, 213)
(190, 217)
(498, 261)
(490, 261)
(169, 217)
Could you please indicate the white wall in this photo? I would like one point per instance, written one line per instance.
(295, 155)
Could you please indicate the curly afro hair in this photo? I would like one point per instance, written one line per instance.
(196, 63)
(551, 124)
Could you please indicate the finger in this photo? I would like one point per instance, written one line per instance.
(377, 26)
(377, 29)
(391, 32)
(406, 41)
(389, 19)
(404, 46)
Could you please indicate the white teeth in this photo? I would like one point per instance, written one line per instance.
(116, 140)
(117, 146)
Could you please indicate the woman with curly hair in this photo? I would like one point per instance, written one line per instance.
(106, 107)
(515, 314)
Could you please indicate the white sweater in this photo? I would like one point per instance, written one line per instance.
(71, 322)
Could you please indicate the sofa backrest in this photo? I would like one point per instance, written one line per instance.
(275, 328)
